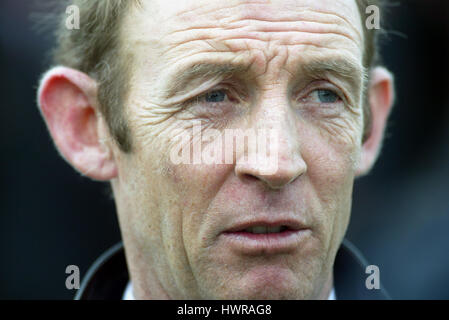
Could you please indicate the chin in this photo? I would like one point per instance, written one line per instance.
(279, 285)
(274, 292)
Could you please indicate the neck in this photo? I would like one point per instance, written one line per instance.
(327, 288)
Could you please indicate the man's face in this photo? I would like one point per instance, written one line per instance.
(295, 67)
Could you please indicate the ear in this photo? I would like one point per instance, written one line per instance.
(381, 99)
(67, 99)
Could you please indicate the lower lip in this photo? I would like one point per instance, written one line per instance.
(265, 243)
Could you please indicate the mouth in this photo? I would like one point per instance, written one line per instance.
(261, 229)
(263, 237)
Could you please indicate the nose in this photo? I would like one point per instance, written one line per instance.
(280, 162)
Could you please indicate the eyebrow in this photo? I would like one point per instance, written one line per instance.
(178, 82)
(352, 73)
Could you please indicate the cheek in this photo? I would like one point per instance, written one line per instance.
(197, 186)
(141, 198)
(178, 192)
(330, 171)
(331, 151)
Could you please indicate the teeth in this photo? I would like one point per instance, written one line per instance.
(263, 229)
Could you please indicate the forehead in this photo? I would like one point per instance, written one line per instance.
(191, 11)
(188, 29)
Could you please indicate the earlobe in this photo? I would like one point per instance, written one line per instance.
(68, 102)
(381, 100)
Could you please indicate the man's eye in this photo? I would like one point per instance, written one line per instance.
(215, 96)
(214, 99)
(325, 96)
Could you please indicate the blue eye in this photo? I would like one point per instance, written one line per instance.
(215, 96)
(327, 96)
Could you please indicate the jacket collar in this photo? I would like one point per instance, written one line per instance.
(108, 276)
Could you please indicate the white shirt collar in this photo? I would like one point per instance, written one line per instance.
(332, 295)
(128, 294)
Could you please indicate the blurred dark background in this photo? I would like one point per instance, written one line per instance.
(51, 217)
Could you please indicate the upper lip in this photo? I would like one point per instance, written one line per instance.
(291, 224)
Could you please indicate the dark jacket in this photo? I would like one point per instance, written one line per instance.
(108, 276)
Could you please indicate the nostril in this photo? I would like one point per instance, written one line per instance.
(274, 179)
(246, 177)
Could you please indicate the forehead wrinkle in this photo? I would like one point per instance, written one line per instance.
(284, 37)
(228, 38)
(210, 7)
(346, 20)
(227, 17)
(283, 33)
(307, 15)
(207, 15)
(240, 42)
